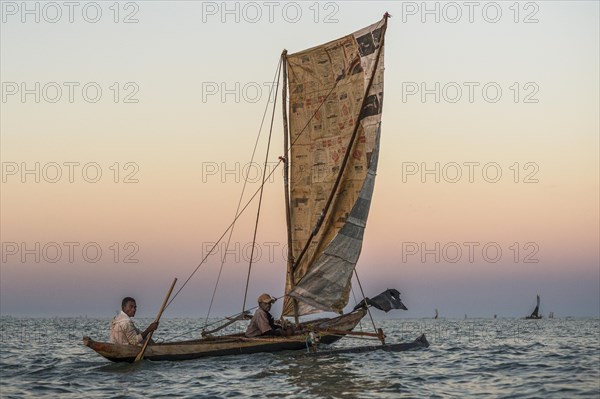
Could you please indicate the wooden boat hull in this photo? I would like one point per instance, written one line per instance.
(227, 345)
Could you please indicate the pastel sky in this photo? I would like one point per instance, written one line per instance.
(506, 158)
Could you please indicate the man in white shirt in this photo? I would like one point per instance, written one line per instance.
(123, 331)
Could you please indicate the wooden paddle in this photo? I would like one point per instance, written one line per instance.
(140, 355)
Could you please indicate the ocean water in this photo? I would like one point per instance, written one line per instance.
(504, 358)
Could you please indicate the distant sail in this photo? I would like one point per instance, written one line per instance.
(436, 314)
(335, 75)
(535, 313)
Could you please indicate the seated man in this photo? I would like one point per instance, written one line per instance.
(123, 331)
(262, 323)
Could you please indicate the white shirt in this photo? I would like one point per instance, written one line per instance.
(124, 332)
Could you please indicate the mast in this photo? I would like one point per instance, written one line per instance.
(290, 260)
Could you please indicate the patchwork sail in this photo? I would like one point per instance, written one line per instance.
(335, 105)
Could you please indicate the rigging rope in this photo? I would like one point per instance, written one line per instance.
(365, 299)
(261, 190)
(219, 240)
(356, 303)
(253, 196)
(275, 77)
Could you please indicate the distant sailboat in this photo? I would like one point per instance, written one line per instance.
(535, 314)
(551, 315)
(436, 314)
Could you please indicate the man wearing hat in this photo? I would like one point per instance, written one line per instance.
(262, 322)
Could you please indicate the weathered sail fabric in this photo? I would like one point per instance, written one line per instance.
(327, 85)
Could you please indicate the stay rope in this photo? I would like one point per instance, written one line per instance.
(277, 73)
(265, 179)
(365, 299)
(261, 189)
(252, 197)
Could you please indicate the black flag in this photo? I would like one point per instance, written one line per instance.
(386, 301)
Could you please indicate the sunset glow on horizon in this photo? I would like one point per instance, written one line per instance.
(487, 190)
